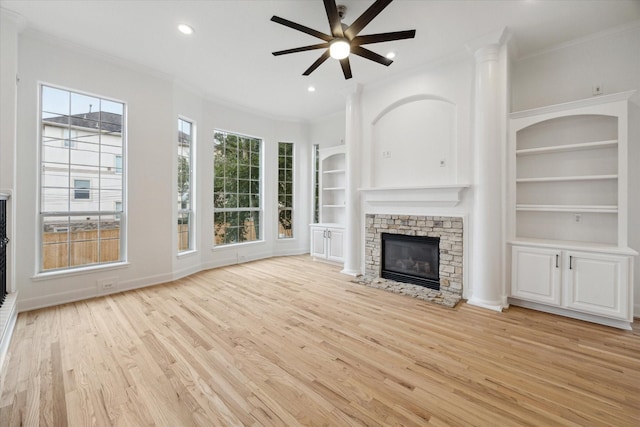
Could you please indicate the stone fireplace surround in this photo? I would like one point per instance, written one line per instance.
(450, 232)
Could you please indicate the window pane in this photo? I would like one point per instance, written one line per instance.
(55, 100)
(55, 242)
(285, 222)
(183, 232)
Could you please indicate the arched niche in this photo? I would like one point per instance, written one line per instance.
(414, 143)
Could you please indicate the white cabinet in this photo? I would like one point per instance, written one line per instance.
(327, 242)
(598, 284)
(536, 274)
(588, 285)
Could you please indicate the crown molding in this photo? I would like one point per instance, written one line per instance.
(19, 20)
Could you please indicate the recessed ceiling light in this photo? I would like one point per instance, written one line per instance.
(391, 55)
(311, 89)
(185, 29)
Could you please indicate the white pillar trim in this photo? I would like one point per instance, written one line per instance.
(353, 142)
(489, 143)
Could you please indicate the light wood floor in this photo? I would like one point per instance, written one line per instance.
(289, 341)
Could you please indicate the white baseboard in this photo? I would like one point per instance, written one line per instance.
(620, 324)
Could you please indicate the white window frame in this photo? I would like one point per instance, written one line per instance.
(291, 208)
(260, 209)
(40, 272)
(191, 210)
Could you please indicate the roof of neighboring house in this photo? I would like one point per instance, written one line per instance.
(103, 120)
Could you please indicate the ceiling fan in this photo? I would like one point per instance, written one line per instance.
(344, 39)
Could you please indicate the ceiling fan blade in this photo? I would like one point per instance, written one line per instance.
(334, 19)
(302, 28)
(301, 49)
(316, 64)
(365, 18)
(366, 53)
(346, 68)
(383, 37)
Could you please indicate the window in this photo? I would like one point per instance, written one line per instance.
(316, 183)
(118, 164)
(81, 189)
(237, 207)
(285, 190)
(80, 196)
(185, 186)
(69, 136)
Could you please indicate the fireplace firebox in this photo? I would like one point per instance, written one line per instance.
(411, 259)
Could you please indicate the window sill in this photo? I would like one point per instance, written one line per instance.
(78, 271)
(186, 254)
(235, 245)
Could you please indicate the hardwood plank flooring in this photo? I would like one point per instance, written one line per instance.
(289, 341)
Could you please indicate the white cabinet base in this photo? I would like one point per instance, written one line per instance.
(620, 324)
(327, 243)
(595, 286)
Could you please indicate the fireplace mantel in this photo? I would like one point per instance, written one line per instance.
(435, 195)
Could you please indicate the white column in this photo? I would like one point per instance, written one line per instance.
(489, 143)
(353, 136)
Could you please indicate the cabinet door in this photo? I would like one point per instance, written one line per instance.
(597, 283)
(535, 275)
(335, 244)
(318, 244)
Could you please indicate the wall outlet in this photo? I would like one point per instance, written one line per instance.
(107, 284)
(577, 218)
(386, 154)
(596, 89)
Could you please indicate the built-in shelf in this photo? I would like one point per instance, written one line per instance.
(569, 208)
(334, 171)
(567, 147)
(333, 206)
(334, 189)
(568, 178)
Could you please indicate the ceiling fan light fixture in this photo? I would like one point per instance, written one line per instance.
(339, 49)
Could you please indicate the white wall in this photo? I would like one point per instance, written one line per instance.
(328, 131)
(568, 73)
(153, 103)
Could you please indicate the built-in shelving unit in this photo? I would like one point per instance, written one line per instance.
(327, 236)
(569, 209)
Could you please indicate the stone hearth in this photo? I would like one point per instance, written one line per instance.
(448, 229)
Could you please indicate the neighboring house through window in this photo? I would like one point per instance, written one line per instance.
(285, 190)
(81, 212)
(237, 207)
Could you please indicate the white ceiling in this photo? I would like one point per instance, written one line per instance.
(228, 58)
